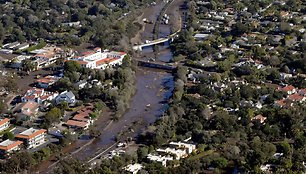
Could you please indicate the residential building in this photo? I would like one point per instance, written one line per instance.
(66, 96)
(21, 46)
(8, 146)
(6, 51)
(179, 153)
(297, 97)
(77, 124)
(259, 119)
(302, 92)
(47, 81)
(96, 59)
(27, 109)
(160, 159)
(38, 95)
(46, 56)
(81, 84)
(32, 137)
(133, 168)
(289, 89)
(4, 124)
(189, 147)
(11, 45)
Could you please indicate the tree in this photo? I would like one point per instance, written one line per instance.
(142, 153)
(8, 135)
(28, 65)
(94, 132)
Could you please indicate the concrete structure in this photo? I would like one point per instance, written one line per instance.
(32, 137)
(160, 159)
(189, 147)
(157, 41)
(96, 59)
(38, 95)
(8, 146)
(6, 51)
(133, 168)
(4, 124)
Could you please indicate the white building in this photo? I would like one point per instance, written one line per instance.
(189, 147)
(8, 146)
(96, 59)
(32, 137)
(4, 124)
(160, 159)
(179, 153)
(37, 95)
(133, 168)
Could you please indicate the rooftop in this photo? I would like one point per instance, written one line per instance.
(3, 120)
(30, 133)
(76, 123)
(8, 144)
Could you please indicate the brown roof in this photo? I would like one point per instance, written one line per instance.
(32, 135)
(76, 123)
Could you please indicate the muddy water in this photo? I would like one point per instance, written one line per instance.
(154, 88)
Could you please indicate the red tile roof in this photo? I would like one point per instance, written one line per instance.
(4, 121)
(296, 97)
(32, 135)
(76, 123)
(11, 145)
(289, 88)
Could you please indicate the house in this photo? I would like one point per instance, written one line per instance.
(179, 153)
(245, 103)
(81, 84)
(96, 59)
(281, 103)
(77, 124)
(258, 119)
(284, 76)
(32, 137)
(4, 124)
(66, 96)
(297, 97)
(6, 51)
(133, 168)
(302, 92)
(189, 147)
(11, 45)
(289, 89)
(8, 146)
(160, 159)
(200, 36)
(38, 95)
(27, 109)
(47, 81)
(21, 46)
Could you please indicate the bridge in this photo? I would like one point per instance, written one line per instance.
(157, 41)
(159, 65)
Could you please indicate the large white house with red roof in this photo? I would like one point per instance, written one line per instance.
(8, 146)
(38, 95)
(96, 59)
(32, 137)
(4, 124)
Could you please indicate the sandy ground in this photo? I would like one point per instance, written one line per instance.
(150, 13)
